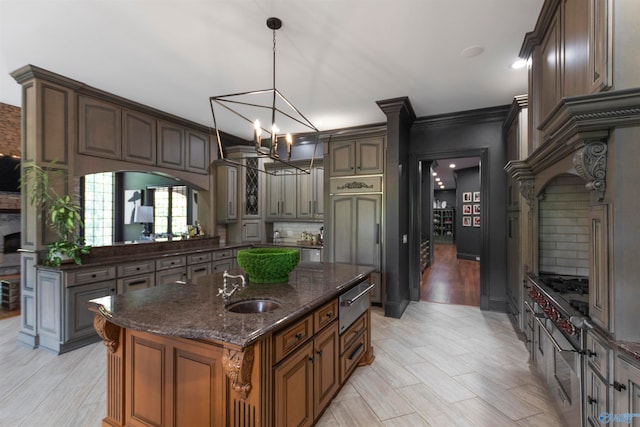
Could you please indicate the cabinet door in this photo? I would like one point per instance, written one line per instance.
(343, 230)
(251, 231)
(294, 389)
(173, 382)
(222, 265)
(79, 320)
(627, 390)
(274, 186)
(227, 186)
(171, 151)
(367, 230)
(326, 367)
(288, 194)
(317, 184)
(138, 138)
(197, 152)
(99, 128)
(343, 158)
(198, 270)
(596, 399)
(369, 156)
(305, 196)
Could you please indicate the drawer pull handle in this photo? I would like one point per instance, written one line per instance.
(619, 386)
(137, 282)
(355, 351)
(319, 353)
(311, 359)
(329, 315)
(94, 275)
(198, 270)
(299, 336)
(591, 400)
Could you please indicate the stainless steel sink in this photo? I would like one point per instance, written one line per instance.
(253, 306)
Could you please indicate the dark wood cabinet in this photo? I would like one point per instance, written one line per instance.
(197, 152)
(171, 146)
(99, 128)
(138, 137)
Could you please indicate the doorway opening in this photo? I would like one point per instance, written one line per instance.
(451, 231)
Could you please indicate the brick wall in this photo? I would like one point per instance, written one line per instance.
(9, 129)
(564, 227)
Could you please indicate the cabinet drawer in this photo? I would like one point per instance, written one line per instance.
(292, 337)
(91, 275)
(349, 360)
(353, 332)
(199, 258)
(599, 355)
(220, 266)
(134, 283)
(325, 315)
(136, 268)
(171, 262)
(223, 254)
(197, 270)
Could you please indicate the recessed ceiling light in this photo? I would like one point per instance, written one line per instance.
(438, 179)
(472, 51)
(520, 63)
(435, 174)
(452, 165)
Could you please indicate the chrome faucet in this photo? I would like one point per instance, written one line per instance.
(227, 293)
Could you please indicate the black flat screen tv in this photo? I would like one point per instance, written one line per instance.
(9, 174)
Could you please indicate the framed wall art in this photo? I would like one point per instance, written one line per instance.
(466, 221)
(476, 196)
(466, 197)
(476, 209)
(476, 221)
(466, 209)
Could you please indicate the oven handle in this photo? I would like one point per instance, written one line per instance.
(553, 340)
(349, 302)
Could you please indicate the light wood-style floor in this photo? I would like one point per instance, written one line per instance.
(440, 365)
(449, 279)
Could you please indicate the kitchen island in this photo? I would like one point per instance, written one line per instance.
(178, 356)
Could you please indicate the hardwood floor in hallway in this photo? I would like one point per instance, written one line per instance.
(451, 280)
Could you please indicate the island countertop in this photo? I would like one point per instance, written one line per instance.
(194, 310)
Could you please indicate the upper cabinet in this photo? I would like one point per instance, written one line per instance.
(311, 194)
(171, 147)
(110, 131)
(570, 52)
(99, 130)
(357, 157)
(227, 188)
(281, 194)
(138, 137)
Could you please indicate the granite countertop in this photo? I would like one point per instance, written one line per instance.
(193, 310)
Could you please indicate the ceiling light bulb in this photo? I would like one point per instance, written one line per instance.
(437, 179)
(452, 165)
(435, 174)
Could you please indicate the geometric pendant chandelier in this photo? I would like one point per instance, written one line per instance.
(273, 120)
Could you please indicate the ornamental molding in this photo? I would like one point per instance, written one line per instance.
(109, 332)
(355, 185)
(527, 191)
(237, 365)
(590, 163)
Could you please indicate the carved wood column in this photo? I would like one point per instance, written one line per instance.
(237, 365)
(113, 338)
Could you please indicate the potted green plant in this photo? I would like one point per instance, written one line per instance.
(62, 215)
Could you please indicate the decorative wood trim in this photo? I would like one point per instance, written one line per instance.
(237, 365)
(591, 164)
(106, 330)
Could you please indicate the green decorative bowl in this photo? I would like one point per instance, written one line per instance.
(268, 265)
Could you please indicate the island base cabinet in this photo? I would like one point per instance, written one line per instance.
(172, 382)
(294, 389)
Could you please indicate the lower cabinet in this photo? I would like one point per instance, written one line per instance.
(306, 381)
(626, 392)
(173, 381)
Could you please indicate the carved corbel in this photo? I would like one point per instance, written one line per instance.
(237, 365)
(590, 163)
(526, 189)
(106, 330)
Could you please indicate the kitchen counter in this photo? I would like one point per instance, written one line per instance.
(193, 310)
